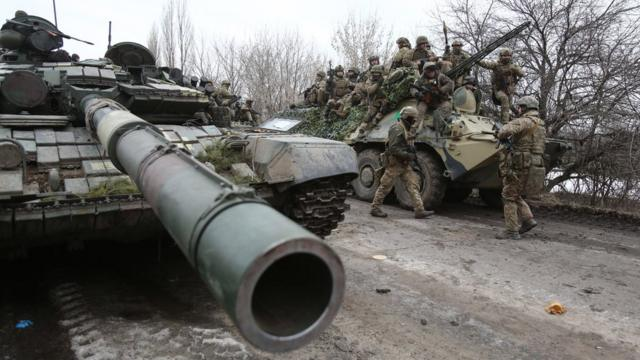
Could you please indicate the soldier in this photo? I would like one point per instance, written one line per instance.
(352, 74)
(527, 134)
(314, 95)
(422, 52)
(373, 61)
(375, 99)
(341, 85)
(504, 78)
(203, 82)
(404, 55)
(194, 82)
(399, 159)
(455, 57)
(471, 84)
(223, 96)
(433, 91)
(336, 109)
(248, 114)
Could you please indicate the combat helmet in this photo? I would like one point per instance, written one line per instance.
(373, 57)
(422, 40)
(403, 41)
(528, 102)
(338, 68)
(377, 69)
(321, 74)
(225, 82)
(456, 43)
(408, 112)
(506, 52)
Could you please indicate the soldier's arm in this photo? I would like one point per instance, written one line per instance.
(517, 71)
(515, 127)
(488, 64)
(446, 84)
(372, 88)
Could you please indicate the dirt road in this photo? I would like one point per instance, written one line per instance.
(454, 292)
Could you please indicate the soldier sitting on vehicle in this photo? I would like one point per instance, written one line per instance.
(223, 96)
(376, 100)
(400, 157)
(352, 74)
(247, 114)
(314, 95)
(340, 86)
(433, 91)
(422, 53)
(404, 55)
(335, 109)
(454, 57)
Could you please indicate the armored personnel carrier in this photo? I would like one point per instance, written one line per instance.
(58, 183)
(106, 149)
(452, 158)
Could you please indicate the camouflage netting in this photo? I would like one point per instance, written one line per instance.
(333, 128)
(114, 187)
(221, 156)
(398, 86)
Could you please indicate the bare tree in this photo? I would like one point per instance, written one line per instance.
(359, 37)
(177, 35)
(581, 61)
(153, 41)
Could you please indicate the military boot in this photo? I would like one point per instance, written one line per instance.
(421, 214)
(527, 225)
(508, 235)
(375, 211)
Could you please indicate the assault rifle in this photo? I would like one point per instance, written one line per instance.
(465, 66)
(507, 143)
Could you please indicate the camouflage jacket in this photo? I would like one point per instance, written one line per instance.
(454, 58)
(222, 96)
(527, 133)
(419, 54)
(397, 145)
(375, 95)
(341, 87)
(404, 57)
(505, 76)
(440, 89)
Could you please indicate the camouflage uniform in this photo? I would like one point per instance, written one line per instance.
(400, 156)
(341, 85)
(423, 52)
(527, 134)
(404, 56)
(455, 57)
(438, 99)
(376, 99)
(504, 79)
(314, 95)
(222, 95)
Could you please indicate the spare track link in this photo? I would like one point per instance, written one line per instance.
(320, 205)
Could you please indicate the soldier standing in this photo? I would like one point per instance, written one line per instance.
(400, 156)
(375, 99)
(341, 86)
(504, 78)
(422, 52)
(527, 134)
(404, 56)
(433, 91)
(455, 57)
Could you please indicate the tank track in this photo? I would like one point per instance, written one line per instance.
(320, 205)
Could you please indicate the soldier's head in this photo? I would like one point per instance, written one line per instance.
(225, 84)
(526, 103)
(505, 55)
(403, 42)
(320, 75)
(374, 60)
(408, 114)
(249, 102)
(194, 80)
(430, 70)
(422, 42)
(339, 71)
(203, 80)
(456, 46)
(75, 57)
(209, 88)
(377, 71)
(470, 82)
(353, 73)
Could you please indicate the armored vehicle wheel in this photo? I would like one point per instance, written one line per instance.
(492, 197)
(433, 184)
(456, 194)
(366, 183)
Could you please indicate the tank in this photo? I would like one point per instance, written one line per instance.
(452, 158)
(58, 183)
(108, 149)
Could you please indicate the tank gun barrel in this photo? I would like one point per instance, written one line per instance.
(279, 283)
(466, 65)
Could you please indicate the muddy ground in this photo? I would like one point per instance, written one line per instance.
(455, 292)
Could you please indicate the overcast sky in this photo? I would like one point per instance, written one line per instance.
(132, 20)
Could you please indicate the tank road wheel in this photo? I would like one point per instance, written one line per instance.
(365, 184)
(319, 205)
(492, 197)
(433, 184)
(456, 194)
